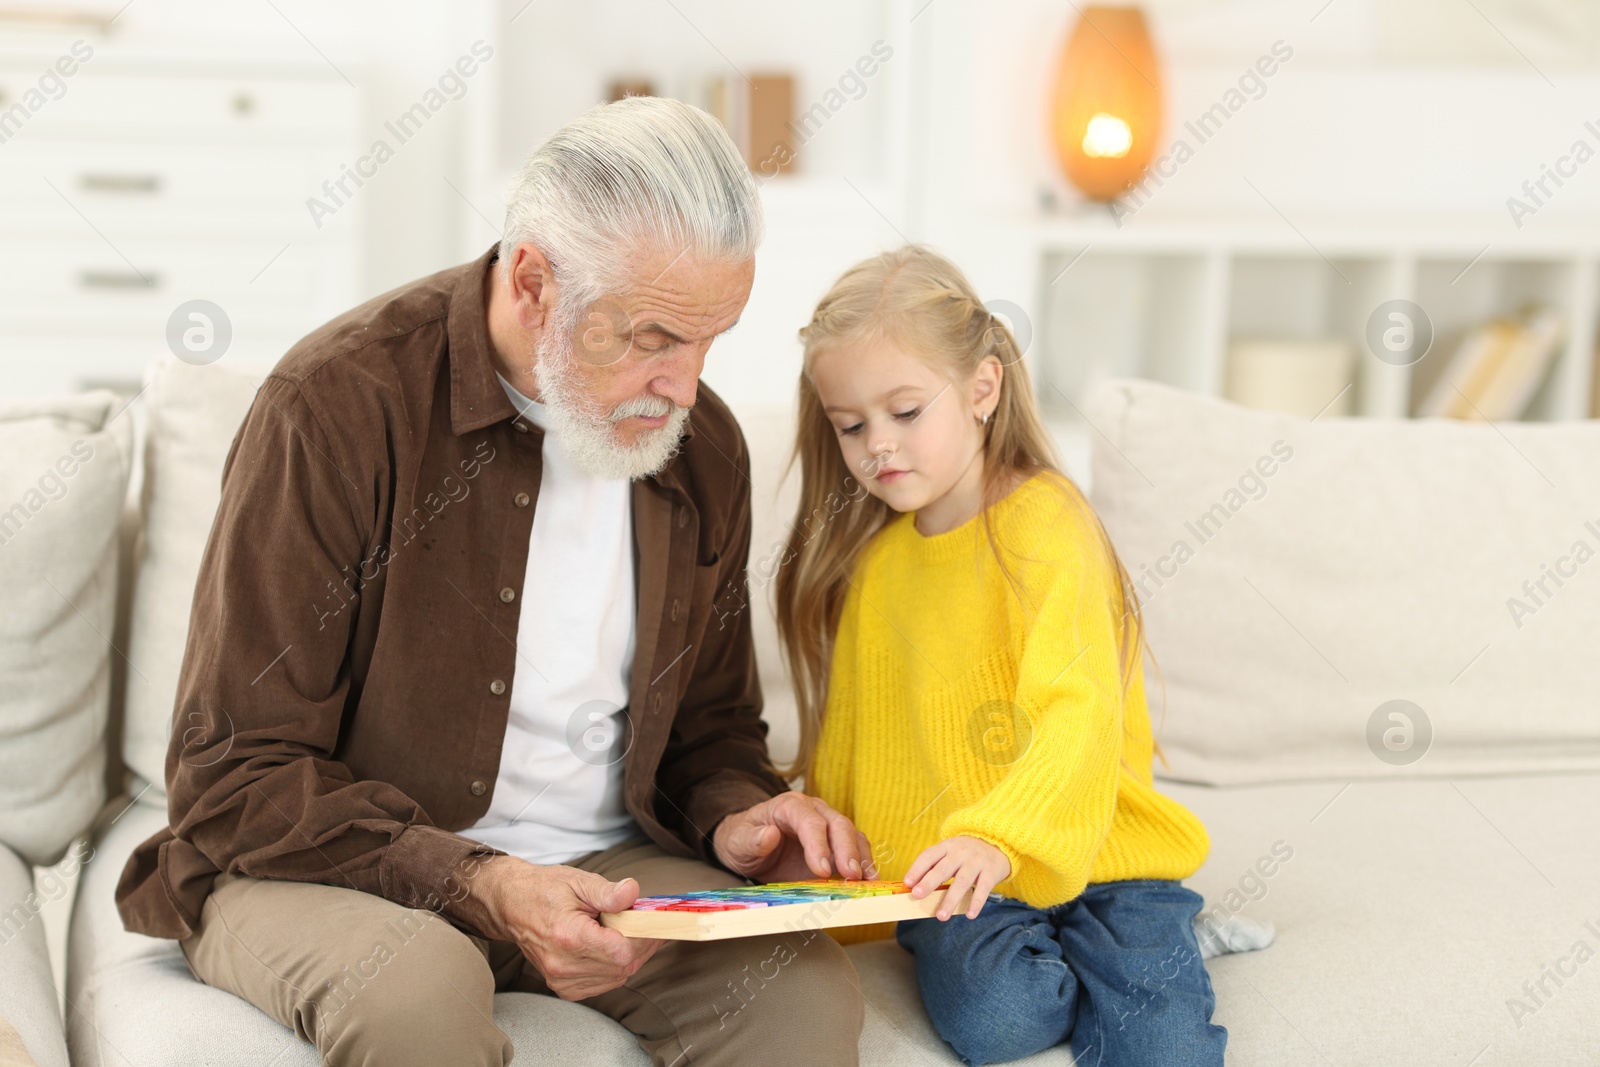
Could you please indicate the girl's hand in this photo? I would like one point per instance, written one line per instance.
(969, 864)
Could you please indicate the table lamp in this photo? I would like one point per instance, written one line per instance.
(1107, 101)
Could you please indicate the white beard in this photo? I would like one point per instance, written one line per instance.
(590, 436)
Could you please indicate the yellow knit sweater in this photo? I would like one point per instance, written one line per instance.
(954, 707)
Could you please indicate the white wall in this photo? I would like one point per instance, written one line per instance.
(1395, 108)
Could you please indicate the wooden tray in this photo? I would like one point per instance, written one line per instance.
(779, 907)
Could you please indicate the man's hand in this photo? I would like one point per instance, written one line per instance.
(792, 837)
(968, 862)
(550, 912)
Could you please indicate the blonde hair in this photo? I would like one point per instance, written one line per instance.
(923, 303)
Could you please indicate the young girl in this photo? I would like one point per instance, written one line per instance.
(967, 654)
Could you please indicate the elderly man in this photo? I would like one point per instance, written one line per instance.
(467, 665)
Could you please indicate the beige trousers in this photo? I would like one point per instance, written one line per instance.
(374, 984)
(12, 1051)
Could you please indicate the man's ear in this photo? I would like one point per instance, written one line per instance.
(533, 286)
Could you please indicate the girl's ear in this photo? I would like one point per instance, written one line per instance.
(986, 385)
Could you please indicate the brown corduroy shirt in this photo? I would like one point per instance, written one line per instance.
(347, 676)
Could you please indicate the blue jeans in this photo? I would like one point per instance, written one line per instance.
(1117, 969)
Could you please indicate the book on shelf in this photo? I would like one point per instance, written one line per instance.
(1498, 367)
(1594, 380)
(758, 113)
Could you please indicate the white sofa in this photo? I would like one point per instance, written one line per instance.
(1412, 900)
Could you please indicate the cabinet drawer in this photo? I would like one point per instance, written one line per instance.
(198, 108)
(83, 283)
(156, 190)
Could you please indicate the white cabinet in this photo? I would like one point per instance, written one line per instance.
(152, 179)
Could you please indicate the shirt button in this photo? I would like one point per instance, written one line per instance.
(478, 788)
(683, 516)
(508, 594)
(675, 611)
(655, 702)
(521, 427)
(497, 687)
(521, 500)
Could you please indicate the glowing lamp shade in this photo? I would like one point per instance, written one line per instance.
(1107, 101)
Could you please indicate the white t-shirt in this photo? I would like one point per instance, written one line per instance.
(558, 794)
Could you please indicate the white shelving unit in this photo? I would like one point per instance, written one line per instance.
(547, 72)
(1163, 299)
(1350, 182)
(850, 196)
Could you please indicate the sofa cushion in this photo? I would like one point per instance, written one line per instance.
(27, 991)
(769, 433)
(62, 486)
(132, 999)
(1418, 920)
(1354, 597)
(192, 414)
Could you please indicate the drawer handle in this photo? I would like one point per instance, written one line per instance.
(118, 279)
(142, 184)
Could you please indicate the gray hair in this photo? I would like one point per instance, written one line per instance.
(643, 171)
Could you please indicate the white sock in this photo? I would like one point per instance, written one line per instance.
(1237, 933)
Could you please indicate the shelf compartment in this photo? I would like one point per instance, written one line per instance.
(1459, 295)
(1309, 298)
(1117, 316)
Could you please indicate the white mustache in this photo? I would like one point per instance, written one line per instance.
(649, 406)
